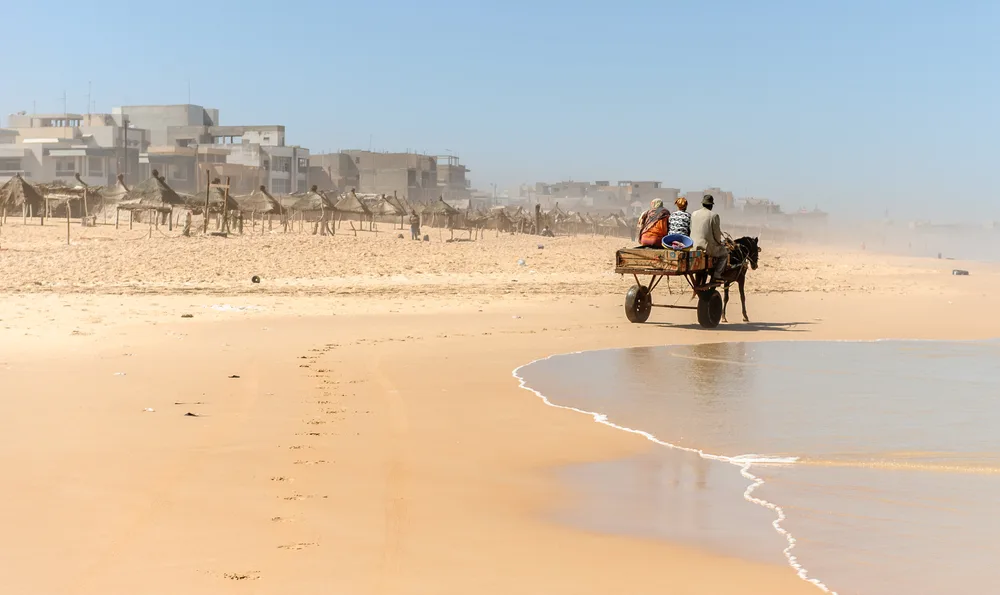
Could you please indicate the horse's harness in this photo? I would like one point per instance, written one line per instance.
(735, 248)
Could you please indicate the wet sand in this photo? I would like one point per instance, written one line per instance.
(889, 455)
(375, 441)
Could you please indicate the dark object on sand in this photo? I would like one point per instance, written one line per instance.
(187, 315)
(959, 272)
(189, 414)
(399, 236)
(255, 279)
(427, 238)
(234, 376)
(541, 246)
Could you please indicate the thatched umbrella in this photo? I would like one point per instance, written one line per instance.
(355, 206)
(152, 195)
(218, 200)
(440, 208)
(314, 200)
(260, 201)
(352, 204)
(17, 192)
(389, 206)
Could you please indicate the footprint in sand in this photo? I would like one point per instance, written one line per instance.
(242, 576)
(301, 462)
(296, 546)
(280, 478)
(299, 447)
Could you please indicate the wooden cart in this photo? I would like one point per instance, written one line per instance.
(656, 263)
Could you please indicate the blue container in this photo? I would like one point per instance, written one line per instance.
(668, 241)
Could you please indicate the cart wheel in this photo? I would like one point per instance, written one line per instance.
(709, 308)
(638, 304)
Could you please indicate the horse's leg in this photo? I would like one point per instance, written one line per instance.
(743, 296)
(725, 299)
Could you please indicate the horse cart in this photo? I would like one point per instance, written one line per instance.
(693, 265)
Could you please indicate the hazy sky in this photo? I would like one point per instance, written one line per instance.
(842, 104)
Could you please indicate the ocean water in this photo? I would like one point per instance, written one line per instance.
(867, 467)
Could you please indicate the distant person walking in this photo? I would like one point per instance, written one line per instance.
(706, 232)
(680, 220)
(414, 225)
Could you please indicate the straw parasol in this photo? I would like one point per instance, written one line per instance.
(390, 206)
(260, 201)
(352, 204)
(17, 192)
(314, 200)
(153, 194)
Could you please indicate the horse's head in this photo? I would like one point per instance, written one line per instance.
(746, 251)
(754, 252)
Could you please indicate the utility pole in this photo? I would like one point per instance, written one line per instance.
(88, 98)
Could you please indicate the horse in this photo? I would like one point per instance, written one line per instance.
(743, 253)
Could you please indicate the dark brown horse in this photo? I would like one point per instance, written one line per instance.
(743, 254)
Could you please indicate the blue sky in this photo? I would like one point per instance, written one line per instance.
(842, 104)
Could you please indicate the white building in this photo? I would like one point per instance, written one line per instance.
(57, 147)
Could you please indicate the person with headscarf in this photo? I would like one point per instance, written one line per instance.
(653, 224)
(680, 220)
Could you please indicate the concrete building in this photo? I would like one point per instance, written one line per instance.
(185, 167)
(259, 151)
(410, 175)
(57, 147)
(159, 119)
(723, 199)
(453, 183)
(335, 172)
(645, 191)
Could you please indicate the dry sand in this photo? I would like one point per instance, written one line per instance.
(374, 441)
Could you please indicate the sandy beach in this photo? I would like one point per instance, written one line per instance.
(354, 424)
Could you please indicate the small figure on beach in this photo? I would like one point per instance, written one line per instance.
(706, 232)
(546, 232)
(414, 225)
(653, 224)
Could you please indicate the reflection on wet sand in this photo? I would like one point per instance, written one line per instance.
(896, 442)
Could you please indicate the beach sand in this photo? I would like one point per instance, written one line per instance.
(374, 440)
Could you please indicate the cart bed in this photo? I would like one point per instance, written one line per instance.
(660, 261)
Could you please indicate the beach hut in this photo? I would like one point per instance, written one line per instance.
(153, 197)
(17, 192)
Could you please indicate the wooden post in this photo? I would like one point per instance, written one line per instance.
(24, 213)
(117, 213)
(67, 223)
(208, 193)
(131, 219)
(85, 211)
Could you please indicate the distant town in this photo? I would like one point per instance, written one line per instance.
(188, 145)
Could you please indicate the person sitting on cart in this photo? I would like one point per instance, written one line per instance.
(680, 220)
(706, 232)
(653, 224)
